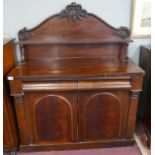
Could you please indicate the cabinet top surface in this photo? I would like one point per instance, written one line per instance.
(73, 68)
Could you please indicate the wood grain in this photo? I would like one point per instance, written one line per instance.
(10, 133)
(74, 69)
(75, 87)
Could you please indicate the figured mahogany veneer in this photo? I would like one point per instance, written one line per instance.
(69, 69)
(75, 87)
(10, 134)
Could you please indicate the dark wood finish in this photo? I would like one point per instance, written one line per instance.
(102, 115)
(10, 138)
(83, 145)
(44, 40)
(145, 97)
(76, 42)
(52, 117)
(8, 55)
(75, 87)
(76, 68)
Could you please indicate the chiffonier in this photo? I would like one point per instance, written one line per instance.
(75, 86)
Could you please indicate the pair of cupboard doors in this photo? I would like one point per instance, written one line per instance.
(72, 112)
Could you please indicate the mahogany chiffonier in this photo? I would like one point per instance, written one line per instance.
(10, 137)
(75, 87)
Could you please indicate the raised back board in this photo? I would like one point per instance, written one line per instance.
(73, 33)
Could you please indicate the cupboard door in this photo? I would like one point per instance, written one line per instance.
(52, 115)
(102, 115)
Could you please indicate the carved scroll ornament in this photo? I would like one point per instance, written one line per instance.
(123, 32)
(74, 12)
(24, 34)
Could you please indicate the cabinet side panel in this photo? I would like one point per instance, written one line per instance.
(134, 97)
(8, 57)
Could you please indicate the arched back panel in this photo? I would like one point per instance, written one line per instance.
(73, 33)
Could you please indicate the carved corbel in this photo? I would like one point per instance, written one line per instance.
(134, 95)
(19, 99)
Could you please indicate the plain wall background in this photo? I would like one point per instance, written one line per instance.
(29, 13)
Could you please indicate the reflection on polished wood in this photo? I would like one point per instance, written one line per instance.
(75, 86)
(75, 68)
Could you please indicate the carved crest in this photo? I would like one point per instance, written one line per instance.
(24, 34)
(74, 12)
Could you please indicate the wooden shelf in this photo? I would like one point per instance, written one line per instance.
(88, 41)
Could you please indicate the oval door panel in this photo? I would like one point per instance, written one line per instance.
(102, 117)
(53, 119)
